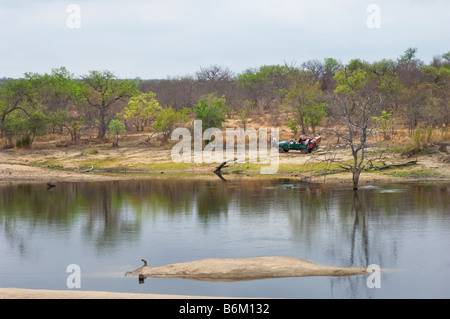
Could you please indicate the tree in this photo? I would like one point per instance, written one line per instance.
(304, 100)
(408, 68)
(213, 77)
(358, 102)
(245, 112)
(437, 79)
(116, 128)
(409, 58)
(141, 109)
(211, 110)
(267, 83)
(27, 126)
(331, 66)
(72, 124)
(20, 109)
(13, 93)
(314, 114)
(102, 90)
(168, 119)
(58, 92)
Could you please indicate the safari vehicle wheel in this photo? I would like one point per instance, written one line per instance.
(304, 150)
(281, 149)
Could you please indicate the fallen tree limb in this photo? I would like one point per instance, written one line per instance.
(218, 168)
(392, 165)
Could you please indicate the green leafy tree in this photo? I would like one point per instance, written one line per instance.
(141, 109)
(27, 126)
(169, 119)
(330, 67)
(304, 100)
(73, 125)
(385, 123)
(408, 59)
(265, 83)
(314, 114)
(116, 128)
(102, 90)
(211, 110)
(293, 125)
(13, 94)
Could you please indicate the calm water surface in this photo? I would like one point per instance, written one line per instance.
(107, 228)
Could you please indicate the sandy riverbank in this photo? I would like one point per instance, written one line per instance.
(102, 163)
(19, 293)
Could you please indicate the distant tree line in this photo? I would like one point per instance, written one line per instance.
(310, 94)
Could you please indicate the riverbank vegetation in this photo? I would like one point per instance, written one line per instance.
(392, 106)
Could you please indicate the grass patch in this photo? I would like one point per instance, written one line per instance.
(418, 172)
(90, 151)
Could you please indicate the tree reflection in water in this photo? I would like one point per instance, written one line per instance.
(324, 223)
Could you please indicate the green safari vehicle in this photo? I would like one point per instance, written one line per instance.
(306, 145)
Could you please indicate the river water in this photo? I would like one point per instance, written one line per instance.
(106, 228)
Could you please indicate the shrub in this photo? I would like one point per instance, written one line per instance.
(24, 142)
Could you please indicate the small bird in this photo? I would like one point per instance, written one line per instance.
(50, 184)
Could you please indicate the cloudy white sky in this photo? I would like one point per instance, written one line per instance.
(162, 38)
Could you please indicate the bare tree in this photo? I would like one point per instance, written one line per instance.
(214, 73)
(358, 102)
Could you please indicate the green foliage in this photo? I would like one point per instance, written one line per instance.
(268, 78)
(356, 64)
(211, 110)
(101, 90)
(38, 123)
(168, 119)
(384, 122)
(420, 138)
(436, 76)
(13, 94)
(409, 57)
(24, 142)
(348, 81)
(314, 114)
(141, 109)
(303, 100)
(252, 79)
(331, 65)
(292, 124)
(31, 124)
(116, 128)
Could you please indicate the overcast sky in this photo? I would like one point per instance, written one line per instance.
(169, 38)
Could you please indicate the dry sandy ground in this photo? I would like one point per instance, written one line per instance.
(18, 293)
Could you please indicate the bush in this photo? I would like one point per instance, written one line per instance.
(24, 142)
(418, 138)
